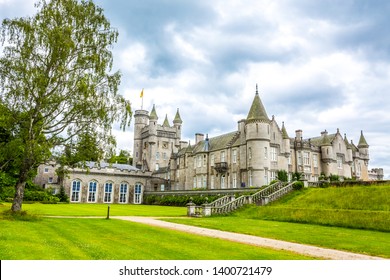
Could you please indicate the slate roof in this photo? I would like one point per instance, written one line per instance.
(101, 165)
(257, 111)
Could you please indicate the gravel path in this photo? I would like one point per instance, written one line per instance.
(252, 240)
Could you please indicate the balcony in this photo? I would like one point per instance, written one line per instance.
(221, 167)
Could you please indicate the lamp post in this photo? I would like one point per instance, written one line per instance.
(108, 212)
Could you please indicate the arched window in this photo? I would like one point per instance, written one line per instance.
(76, 189)
(92, 191)
(138, 193)
(123, 190)
(108, 190)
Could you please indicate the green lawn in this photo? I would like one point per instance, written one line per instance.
(99, 210)
(101, 239)
(354, 240)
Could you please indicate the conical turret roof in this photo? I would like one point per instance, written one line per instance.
(257, 111)
(153, 114)
(284, 132)
(166, 122)
(349, 146)
(325, 140)
(177, 117)
(362, 141)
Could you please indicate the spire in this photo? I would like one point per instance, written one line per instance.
(284, 132)
(257, 111)
(166, 122)
(153, 114)
(362, 141)
(206, 146)
(349, 146)
(177, 118)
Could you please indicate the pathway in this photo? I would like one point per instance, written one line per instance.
(307, 250)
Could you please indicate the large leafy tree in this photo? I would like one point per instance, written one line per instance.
(56, 80)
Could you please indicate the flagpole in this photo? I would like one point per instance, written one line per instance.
(142, 99)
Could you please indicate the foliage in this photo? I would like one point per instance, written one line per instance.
(124, 157)
(178, 200)
(334, 178)
(296, 176)
(282, 175)
(55, 81)
(62, 196)
(298, 185)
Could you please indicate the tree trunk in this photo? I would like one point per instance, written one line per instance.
(19, 191)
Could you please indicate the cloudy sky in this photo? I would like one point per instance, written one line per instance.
(319, 64)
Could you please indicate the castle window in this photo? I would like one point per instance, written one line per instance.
(274, 154)
(234, 156)
(212, 160)
(315, 161)
(157, 167)
(157, 155)
(199, 161)
(223, 156)
(250, 176)
(50, 180)
(339, 162)
(46, 170)
(299, 158)
(194, 186)
(306, 158)
(204, 181)
(138, 193)
(265, 153)
(123, 193)
(222, 181)
(250, 153)
(204, 160)
(273, 175)
(76, 189)
(234, 180)
(92, 189)
(212, 182)
(108, 192)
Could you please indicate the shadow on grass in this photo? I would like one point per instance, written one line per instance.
(19, 216)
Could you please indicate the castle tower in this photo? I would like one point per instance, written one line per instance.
(363, 147)
(286, 141)
(141, 120)
(153, 118)
(258, 143)
(327, 154)
(177, 123)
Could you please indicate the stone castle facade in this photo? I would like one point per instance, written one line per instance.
(250, 156)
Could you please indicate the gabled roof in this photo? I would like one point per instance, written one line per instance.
(101, 165)
(284, 132)
(257, 111)
(217, 143)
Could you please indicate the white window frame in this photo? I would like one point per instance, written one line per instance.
(274, 154)
(92, 195)
(75, 192)
(212, 186)
(315, 160)
(212, 160)
(138, 190)
(223, 177)
(234, 180)
(306, 158)
(123, 196)
(108, 192)
(223, 156)
(265, 153)
(234, 156)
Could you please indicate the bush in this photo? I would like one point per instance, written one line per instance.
(298, 185)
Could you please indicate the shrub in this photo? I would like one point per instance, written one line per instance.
(282, 175)
(298, 185)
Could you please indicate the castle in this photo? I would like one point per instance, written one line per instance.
(250, 156)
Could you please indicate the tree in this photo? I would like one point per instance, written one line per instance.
(124, 157)
(56, 80)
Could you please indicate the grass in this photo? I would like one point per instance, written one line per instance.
(99, 210)
(101, 239)
(361, 207)
(354, 240)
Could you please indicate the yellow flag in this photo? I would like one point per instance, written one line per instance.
(142, 93)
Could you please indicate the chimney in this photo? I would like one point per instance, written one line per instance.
(183, 144)
(199, 137)
(298, 135)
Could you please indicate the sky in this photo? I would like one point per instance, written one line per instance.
(318, 64)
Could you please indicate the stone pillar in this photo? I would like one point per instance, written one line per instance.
(206, 210)
(191, 209)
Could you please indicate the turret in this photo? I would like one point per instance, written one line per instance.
(363, 147)
(153, 118)
(258, 139)
(349, 158)
(177, 123)
(141, 119)
(326, 148)
(286, 140)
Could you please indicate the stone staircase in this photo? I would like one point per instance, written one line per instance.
(229, 203)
